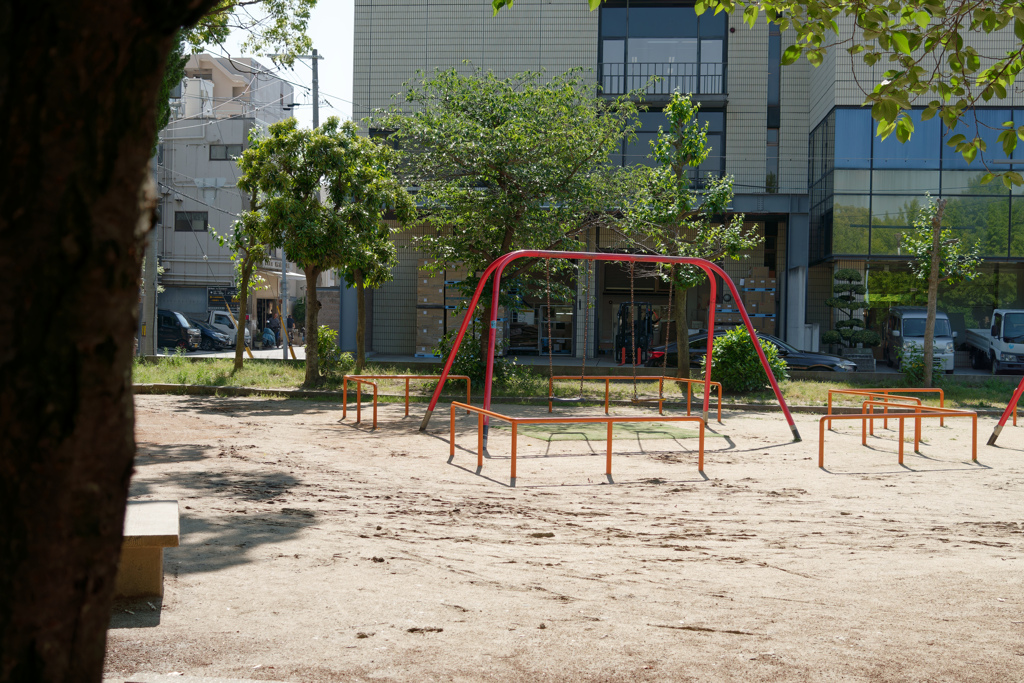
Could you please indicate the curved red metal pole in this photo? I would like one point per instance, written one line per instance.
(1006, 413)
(711, 339)
(709, 268)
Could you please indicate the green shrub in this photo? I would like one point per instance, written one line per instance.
(735, 363)
(911, 358)
(508, 374)
(332, 361)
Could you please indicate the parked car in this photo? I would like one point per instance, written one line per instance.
(212, 340)
(222, 322)
(795, 358)
(904, 328)
(1000, 347)
(174, 331)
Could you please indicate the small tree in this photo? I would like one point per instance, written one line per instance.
(248, 245)
(680, 221)
(849, 329)
(506, 164)
(937, 256)
(321, 196)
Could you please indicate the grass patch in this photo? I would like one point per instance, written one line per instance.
(278, 374)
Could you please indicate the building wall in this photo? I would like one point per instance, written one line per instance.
(396, 38)
(746, 117)
(793, 133)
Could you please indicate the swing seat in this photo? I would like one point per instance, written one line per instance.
(571, 399)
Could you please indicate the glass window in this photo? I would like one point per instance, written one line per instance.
(891, 216)
(1017, 229)
(902, 182)
(852, 181)
(850, 224)
(712, 25)
(614, 51)
(181, 319)
(914, 327)
(613, 21)
(981, 220)
(191, 221)
(714, 119)
(225, 152)
(984, 123)
(662, 22)
(853, 145)
(969, 182)
(920, 151)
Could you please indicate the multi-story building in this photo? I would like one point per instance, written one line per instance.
(810, 177)
(218, 103)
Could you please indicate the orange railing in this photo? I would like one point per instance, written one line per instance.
(913, 412)
(860, 392)
(516, 421)
(359, 399)
(661, 390)
(361, 379)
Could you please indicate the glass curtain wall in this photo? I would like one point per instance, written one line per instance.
(866, 192)
(641, 41)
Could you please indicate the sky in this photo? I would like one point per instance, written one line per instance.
(331, 28)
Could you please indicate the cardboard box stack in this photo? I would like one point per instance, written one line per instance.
(429, 311)
(760, 296)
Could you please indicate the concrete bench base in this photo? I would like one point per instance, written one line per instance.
(149, 527)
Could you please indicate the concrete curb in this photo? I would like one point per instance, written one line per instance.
(204, 390)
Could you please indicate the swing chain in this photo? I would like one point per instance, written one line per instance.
(632, 325)
(547, 314)
(668, 326)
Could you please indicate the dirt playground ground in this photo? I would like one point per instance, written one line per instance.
(314, 550)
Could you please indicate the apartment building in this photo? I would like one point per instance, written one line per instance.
(218, 103)
(809, 176)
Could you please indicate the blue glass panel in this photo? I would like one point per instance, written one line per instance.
(853, 138)
(613, 22)
(920, 151)
(713, 25)
(984, 123)
(662, 22)
(714, 119)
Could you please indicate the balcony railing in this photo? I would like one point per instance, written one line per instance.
(697, 78)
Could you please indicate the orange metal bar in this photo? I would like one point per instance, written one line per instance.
(609, 420)
(872, 394)
(362, 379)
(918, 412)
(608, 446)
(900, 390)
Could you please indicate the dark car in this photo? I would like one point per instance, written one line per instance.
(795, 359)
(212, 339)
(173, 331)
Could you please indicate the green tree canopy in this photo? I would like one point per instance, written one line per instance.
(322, 195)
(506, 164)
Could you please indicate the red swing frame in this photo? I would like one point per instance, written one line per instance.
(1011, 407)
(498, 266)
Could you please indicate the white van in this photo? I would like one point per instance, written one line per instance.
(904, 327)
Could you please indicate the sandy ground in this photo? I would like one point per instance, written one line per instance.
(314, 550)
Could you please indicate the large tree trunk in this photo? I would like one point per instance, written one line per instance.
(682, 334)
(360, 322)
(933, 294)
(78, 84)
(248, 264)
(312, 315)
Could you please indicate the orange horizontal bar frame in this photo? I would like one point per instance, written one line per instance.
(359, 399)
(913, 412)
(407, 378)
(661, 390)
(611, 421)
(940, 392)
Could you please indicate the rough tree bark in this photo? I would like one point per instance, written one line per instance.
(248, 265)
(313, 306)
(360, 321)
(933, 293)
(78, 85)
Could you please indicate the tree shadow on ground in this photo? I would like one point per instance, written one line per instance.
(224, 516)
(253, 407)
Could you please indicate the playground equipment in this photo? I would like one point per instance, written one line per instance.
(360, 380)
(661, 389)
(1010, 407)
(634, 324)
(498, 266)
(893, 407)
(516, 421)
(885, 392)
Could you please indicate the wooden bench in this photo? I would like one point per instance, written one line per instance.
(149, 527)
